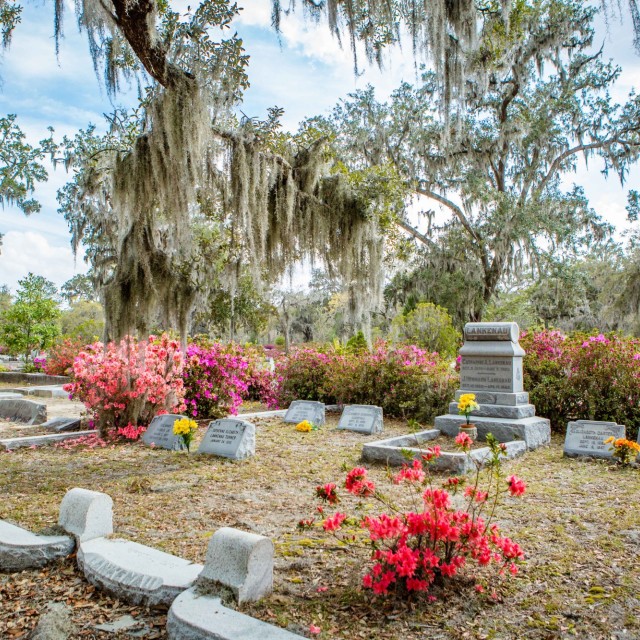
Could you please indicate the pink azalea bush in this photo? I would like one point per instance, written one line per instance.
(580, 376)
(451, 531)
(125, 384)
(404, 380)
(61, 355)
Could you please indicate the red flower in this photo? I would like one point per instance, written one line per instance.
(516, 485)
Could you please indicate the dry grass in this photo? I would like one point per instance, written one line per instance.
(578, 523)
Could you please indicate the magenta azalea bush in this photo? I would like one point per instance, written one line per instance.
(580, 376)
(125, 384)
(217, 378)
(404, 380)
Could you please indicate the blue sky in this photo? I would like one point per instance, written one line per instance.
(305, 72)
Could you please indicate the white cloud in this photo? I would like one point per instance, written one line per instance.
(25, 251)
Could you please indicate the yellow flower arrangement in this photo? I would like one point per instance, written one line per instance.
(625, 450)
(186, 429)
(304, 426)
(466, 404)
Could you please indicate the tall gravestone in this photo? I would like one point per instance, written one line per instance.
(491, 368)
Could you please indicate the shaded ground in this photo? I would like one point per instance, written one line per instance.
(579, 524)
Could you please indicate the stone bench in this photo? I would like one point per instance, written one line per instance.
(20, 549)
(200, 617)
(21, 410)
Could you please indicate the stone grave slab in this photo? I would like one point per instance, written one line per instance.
(194, 616)
(229, 438)
(62, 425)
(10, 395)
(361, 418)
(20, 549)
(136, 573)
(86, 514)
(300, 410)
(22, 410)
(586, 438)
(160, 433)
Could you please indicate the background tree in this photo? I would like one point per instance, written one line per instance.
(79, 287)
(31, 323)
(83, 321)
(497, 171)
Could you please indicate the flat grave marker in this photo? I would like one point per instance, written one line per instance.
(586, 438)
(300, 410)
(229, 438)
(160, 433)
(361, 418)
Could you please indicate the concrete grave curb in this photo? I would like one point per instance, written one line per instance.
(20, 549)
(21, 410)
(86, 514)
(38, 441)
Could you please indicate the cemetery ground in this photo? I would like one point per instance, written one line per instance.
(578, 524)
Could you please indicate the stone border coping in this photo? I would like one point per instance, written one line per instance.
(29, 441)
(201, 617)
(134, 572)
(20, 549)
(390, 452)
(32, 378)
(258, 414)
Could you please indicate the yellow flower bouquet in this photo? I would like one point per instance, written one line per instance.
(305, 426)
(186, 429)
(466, 404)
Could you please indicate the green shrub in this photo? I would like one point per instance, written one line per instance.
(427, 326)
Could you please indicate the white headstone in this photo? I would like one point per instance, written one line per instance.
(309, 410)
(240, 561)
(229, 438)
(86, 514)
(361, 418)
(160, 433)
(586, 438)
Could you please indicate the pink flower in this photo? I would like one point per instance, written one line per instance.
(463, 441)
(314, 630)
(334, 522)
(516, 486)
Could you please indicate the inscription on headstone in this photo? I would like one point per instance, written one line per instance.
(492, 331)
(361, 418)
(229, 438)
(484, 373)
(586, 438)
(160, 433)
(300, 410)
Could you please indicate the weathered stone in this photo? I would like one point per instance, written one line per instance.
(21, 410)
(241, 562)
(491, 366)
(160, 433)
(300, 410)
(20, 549)
(229, 438)
(402, 449)
(534, 431)
(86, 514)
(62, 425)
(55, 623)
(47, 391)
(361, 418)
(262, 414)
(135, 573)
(17, 377)
(586, 438)
(41, 441)
(201, 617)
(492, 331)
(503, 399)
(8, 395)
(498, 411)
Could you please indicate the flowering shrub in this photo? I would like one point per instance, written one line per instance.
(124, 385)
(404, 380)
(413, 550)
(589, 377)
(61, 355)
(39, 364)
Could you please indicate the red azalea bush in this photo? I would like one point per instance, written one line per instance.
(404, 380)
(124, 385)
(61, 355)
(452, 530)
(588, 377)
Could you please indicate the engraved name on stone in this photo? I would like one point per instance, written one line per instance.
(300, 410)
(497, 331)
(364, 419)
(160, 433)
(586, 437)
(487, 373)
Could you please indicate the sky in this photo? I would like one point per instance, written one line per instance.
(304, 71)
